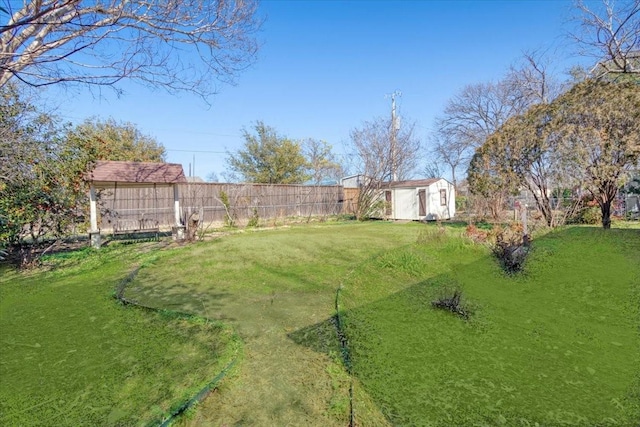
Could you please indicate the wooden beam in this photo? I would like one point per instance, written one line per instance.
(93, 209)
(176, 204)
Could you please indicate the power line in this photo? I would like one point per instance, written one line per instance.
(196, 151)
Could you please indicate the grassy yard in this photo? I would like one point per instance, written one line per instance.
(277, 289)
(557, 345)
(71, 355)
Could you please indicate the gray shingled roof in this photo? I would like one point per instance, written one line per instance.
(137, 172)
(413, 183)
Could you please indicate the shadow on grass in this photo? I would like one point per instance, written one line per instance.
(178, 296)
(554, 346)
(321, 337)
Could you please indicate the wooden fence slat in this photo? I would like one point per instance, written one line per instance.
(271, 201)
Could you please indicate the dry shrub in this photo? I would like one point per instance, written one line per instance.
(476, 234)
(432, 235)
(451, 300)
(509, 246)
(506, 242)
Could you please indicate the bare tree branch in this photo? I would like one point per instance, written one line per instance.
(178, 45)
(377, 160)
(611, 35)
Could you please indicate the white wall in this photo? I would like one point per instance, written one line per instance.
(352, 181)
(405, 203)
(435, 209)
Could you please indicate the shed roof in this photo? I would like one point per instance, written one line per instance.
(413, 183)
(137, 172)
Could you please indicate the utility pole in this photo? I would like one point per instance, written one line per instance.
(395, 127)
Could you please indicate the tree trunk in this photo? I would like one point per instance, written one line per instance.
(605, 208)
(609, 190)
(542, 202)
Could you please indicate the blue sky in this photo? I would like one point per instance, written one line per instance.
(326, 66)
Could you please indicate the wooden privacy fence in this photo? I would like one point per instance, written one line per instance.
(350, 200)
(217, 203)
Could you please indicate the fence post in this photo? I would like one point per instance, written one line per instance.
(525, 231)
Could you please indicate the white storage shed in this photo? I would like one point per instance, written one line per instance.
(419, 200)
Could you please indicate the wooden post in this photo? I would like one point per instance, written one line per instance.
(525, 231)
(92, 207)
(176, 205)
(179, 229)
(94, 232)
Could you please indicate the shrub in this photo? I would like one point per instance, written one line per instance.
(462, 203)
(475, 234)
(451, 300)
(588, 215)
(588, 212)
(254, 219)
(509, 247)
(229, 219)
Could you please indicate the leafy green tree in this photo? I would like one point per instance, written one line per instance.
(489, 181)
(42, 165)
(37, 199)
(269, 158)
(96, 139)
(522, 153)
(599, 126)
(321, 161)
(589, 136)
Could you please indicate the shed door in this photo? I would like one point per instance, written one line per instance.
(422, 202)
(387, 198)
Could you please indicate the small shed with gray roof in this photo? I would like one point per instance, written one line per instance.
(119, 174)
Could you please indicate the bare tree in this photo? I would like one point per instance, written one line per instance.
(432, 169)
(470, 117)
(480, 110)
(212, 177)
(451, 151)
(321, 161)
(177, 45)
(477, 111)
(611, 35)
(378, 159)
(532, 81)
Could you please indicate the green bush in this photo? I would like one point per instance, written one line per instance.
(254, 219)
(587, 215)
(462, 203)
(229, 219)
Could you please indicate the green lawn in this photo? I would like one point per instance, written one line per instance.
(71, 355)
(557, 345)
(277, 289)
